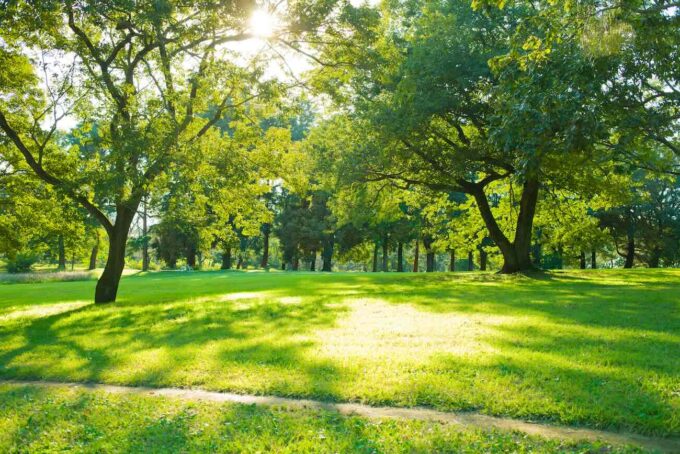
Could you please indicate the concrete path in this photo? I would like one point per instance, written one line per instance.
(463, 419)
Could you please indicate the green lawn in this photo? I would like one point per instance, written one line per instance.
(39, 420)
(600, 349)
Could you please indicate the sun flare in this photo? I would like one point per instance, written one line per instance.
(263, 23)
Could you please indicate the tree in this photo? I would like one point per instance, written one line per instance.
(152, 75)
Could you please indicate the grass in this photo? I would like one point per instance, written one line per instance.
(42, 420)
(593, 348)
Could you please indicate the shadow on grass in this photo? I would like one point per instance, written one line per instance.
(598, 348)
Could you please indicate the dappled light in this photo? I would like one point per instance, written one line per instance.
(570, 347)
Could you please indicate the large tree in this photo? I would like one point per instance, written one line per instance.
(154, 76)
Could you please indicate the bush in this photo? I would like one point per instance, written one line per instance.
(22, 263)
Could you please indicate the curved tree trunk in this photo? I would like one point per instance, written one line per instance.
(107, 285)
(516, 254)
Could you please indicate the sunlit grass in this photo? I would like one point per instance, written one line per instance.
(49, 420)
(595, 348)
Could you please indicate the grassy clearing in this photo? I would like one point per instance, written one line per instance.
(41, 420)
(596, 348)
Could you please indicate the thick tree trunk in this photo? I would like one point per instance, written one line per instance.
(266, 231)
(327, 253)
(515, 254)
(471, 261)
(375, 258)
(226, 259)
(385, 251)
(482, 259)
(107, 285)
(593, 259)
(630, 252)
(145, 238)
(95, 252)
(61, 266)
(582, 260)
(400, 257)
(416, 256)
(452, 260)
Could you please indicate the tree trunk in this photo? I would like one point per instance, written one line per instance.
(145, 238)
(385, 253)
(429, 253)
(266, 231)
(400, 257)
(226, 258)
(375, 258)
(482, 259)
(582, 260)
(73, 261)
(191, 256)
(327, 253)
(655, 258)
(107, 285)
(471, 263)
(515, 254)
(312, 262)
(452, 260)
(593, 259)
(416, 256)
(95, 252)
(630, 252)
(61, 266)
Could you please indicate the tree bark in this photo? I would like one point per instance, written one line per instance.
(191, 256)
(429, 253)
(582, 260)
(482, 259)
(593, 259)
(95, 252)
(61, 266)
(226, 258)
(630, 252)
(471, 261)
(375, 258)
(107, 285)
(416, 256)
(400, 257)
(266, 231)
(515, 254)
(385, 250)
(312, 262)
(452, 260)
(655, 258)
(327, 253)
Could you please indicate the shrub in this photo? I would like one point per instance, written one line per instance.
(22, 263)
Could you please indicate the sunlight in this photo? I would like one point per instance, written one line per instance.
(262, 23)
